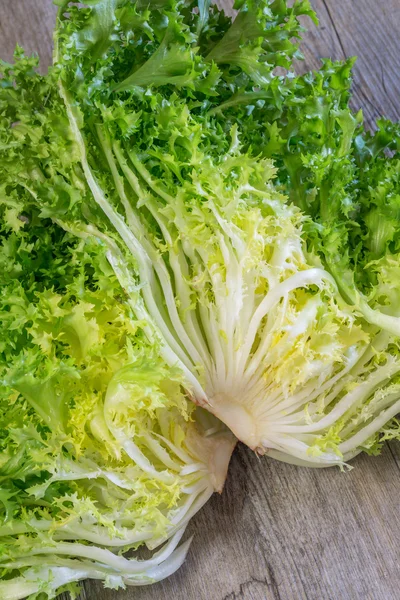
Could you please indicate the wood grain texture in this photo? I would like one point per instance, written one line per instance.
(29, 23)
(368, 29)
(279, 532)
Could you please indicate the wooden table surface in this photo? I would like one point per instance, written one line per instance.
(280, 532)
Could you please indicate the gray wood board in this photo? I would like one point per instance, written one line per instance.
(280, 532)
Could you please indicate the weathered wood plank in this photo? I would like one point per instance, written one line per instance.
(29, 23)
(279, 532)
(368, 29)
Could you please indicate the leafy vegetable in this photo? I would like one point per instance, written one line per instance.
(147, 136)
(181, 214)
(178, 214)
(250, 315)
(100, 451)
